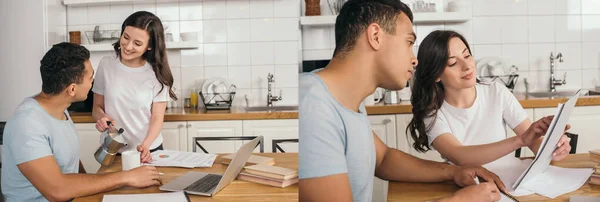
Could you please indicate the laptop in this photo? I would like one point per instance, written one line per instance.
(209, 184)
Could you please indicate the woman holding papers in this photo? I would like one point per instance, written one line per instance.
(132, 88)
(464, 120)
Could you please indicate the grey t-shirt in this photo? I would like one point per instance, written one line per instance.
(334, 139)
(31, 133)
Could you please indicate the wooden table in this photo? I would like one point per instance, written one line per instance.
(401, 191)
(236, 191)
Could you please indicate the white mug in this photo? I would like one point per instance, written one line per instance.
(374, 98)
(130, 160)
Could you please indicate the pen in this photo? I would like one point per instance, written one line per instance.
(506, 194)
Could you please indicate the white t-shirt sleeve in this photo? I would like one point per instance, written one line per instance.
(439, 127)
(99, 77)
(513, 113)
(160, 96)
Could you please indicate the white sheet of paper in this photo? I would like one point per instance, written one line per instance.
(158, 197)
(508, 168)
(553, 135)
(556, 181)
(169, 158)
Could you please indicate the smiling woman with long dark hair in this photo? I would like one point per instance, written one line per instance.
(132, 88)
(463, 120)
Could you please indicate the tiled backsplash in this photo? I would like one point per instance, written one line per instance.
(240, 40)
(524, 32)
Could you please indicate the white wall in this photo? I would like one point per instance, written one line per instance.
(21, 48)
(240, 40)
(523, 31)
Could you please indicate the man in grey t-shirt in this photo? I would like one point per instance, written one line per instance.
(339, 153)
(40, 156)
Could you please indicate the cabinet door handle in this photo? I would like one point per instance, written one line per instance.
(180, 126)
(188, 125)
(386, 121)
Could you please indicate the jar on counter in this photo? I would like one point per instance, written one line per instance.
(186, 103)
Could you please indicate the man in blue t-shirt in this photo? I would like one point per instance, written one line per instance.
(339, 154)
(40, 156)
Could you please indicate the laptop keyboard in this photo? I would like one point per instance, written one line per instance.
(205, 184)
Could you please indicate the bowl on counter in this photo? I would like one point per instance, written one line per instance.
(189, 36)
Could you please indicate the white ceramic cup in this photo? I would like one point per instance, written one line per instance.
(130, 160)
(376, 97)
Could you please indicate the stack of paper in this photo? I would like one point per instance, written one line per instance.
(169, 158)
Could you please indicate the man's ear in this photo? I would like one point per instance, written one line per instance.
(71, 89)
(374, 36)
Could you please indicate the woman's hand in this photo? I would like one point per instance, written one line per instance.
(101, 124)
(145, 156)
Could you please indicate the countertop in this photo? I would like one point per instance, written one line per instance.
(404, 107)
(189, 114)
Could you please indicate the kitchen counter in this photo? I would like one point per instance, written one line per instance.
(188, 114)
(405, 107)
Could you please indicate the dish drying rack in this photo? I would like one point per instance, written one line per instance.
(102, 36)
(510, 81)
(221, 101)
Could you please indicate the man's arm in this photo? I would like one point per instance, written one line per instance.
(329, 188)
(45, 174)
(393, 164)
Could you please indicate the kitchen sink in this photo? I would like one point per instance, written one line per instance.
(564, 93)
(273, 108)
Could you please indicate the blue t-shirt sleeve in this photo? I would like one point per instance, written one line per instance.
(28, 142)
(322, 141)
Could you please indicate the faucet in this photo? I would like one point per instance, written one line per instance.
(270, 97)
(553, 81)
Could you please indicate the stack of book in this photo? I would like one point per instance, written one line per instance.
(269, 175)
(595, 154)
(253, 160)
(595, 179)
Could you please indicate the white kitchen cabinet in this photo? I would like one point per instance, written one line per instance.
(89, 141)
(384, 127)
(525, 151)
(273, 130)
(175, 136)
(583, 122)
(214, 129)
(405, 142)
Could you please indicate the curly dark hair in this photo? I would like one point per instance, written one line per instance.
(62, 66)
(356, 15)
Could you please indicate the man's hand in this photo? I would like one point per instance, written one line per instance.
(483, 192)
(143, 176)
(465, 176)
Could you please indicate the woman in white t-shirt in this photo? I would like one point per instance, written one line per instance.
(132, 88)
(461, 119)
